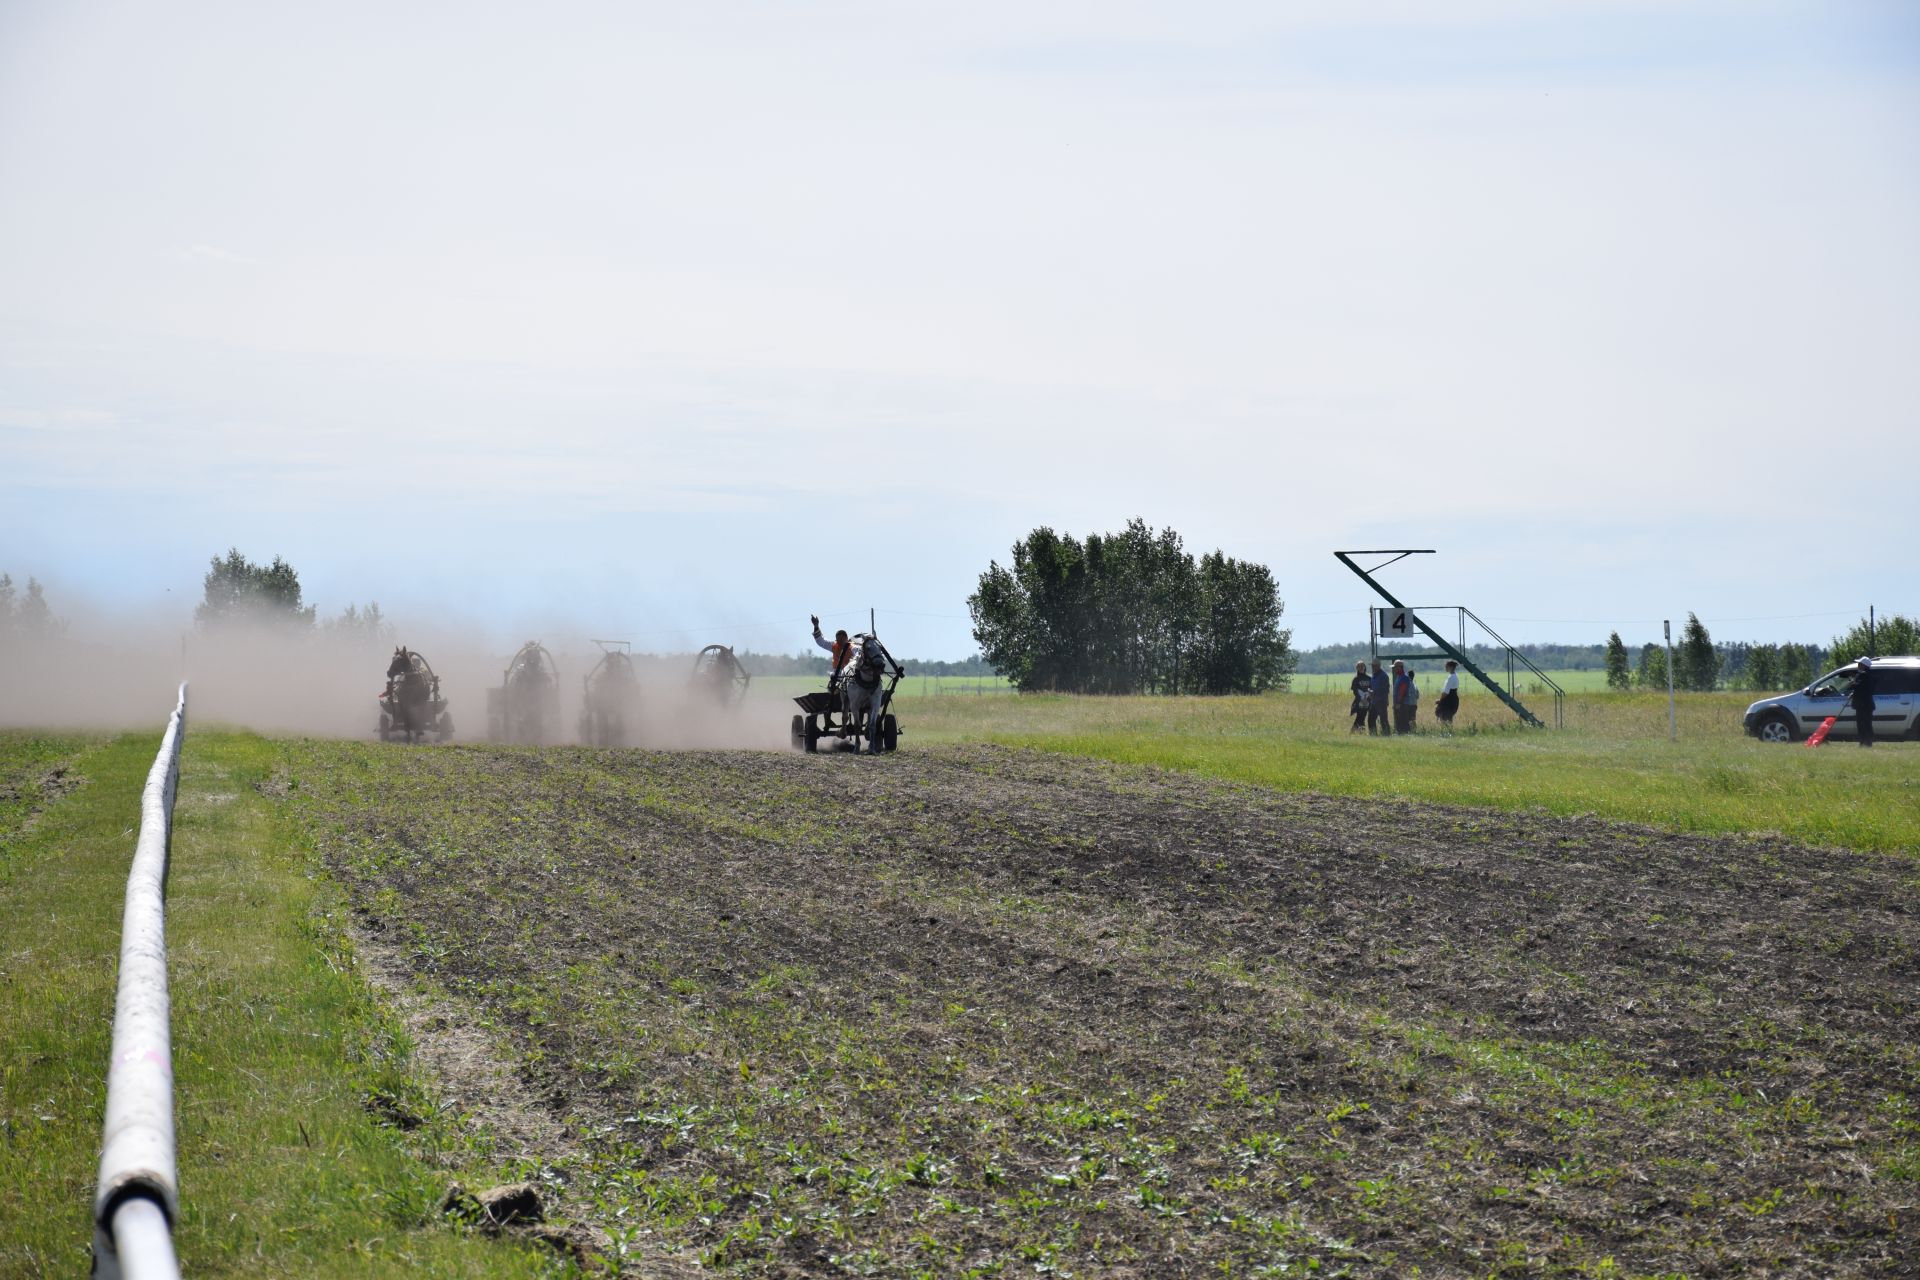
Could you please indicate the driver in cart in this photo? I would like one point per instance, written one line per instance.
(840, 647)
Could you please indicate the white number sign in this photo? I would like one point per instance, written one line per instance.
(1397, 623)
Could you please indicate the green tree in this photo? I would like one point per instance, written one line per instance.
(1894, 636)
(1619, 674)
(1796, 666)
(1127, 612)
(1763, 667)
(1653, 666)
(1238, 645)
(368, 622)
(1696, 664)
(237, 590)
(32, 618)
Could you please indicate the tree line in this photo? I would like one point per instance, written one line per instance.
(1335, 659)
(26, 616)
(237, 591)
(1700, 665)
(1130, 612)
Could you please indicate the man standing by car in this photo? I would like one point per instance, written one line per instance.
(1862, 699)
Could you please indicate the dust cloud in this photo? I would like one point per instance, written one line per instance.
(109, 672)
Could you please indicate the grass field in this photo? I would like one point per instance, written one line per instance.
(966, 1012)
(283, 1060)
(1613, 759)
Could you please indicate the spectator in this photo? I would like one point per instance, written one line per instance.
(1362, 688)
(1413, 701)
(1377, 705)
(1400, 697)
(1449, 703)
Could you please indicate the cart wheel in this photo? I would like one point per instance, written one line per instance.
(446, 727)
(889, 733)
(386, 727)
(799, 735)
(810, 736)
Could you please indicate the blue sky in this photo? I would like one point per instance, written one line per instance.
(680, 322)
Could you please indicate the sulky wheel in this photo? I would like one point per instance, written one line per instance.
(799, 734)
(889, 733)
(810, 735)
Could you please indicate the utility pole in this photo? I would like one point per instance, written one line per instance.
(1871, 652)
(1673, 722)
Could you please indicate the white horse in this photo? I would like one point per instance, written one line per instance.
(861, 696)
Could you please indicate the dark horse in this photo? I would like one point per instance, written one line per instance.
(408, 700)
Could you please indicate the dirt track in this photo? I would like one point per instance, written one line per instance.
(978, 1008)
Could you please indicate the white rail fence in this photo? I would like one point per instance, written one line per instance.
(137, 1200)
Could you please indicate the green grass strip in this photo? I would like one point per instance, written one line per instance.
(1613, 759)
(277, 1043)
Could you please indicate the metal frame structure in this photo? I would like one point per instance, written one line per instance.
(1515, 660)
(503, 724)
(729, 692)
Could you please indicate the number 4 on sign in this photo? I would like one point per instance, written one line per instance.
(1397, 623)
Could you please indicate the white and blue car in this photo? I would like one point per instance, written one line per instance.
(1792, 716)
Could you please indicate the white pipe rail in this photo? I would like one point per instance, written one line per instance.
(137, 1200)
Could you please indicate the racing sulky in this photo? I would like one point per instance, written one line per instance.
(610, 700)
(858, 701)
(411, 708)
(526, 706)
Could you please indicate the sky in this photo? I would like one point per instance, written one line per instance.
(679, 322)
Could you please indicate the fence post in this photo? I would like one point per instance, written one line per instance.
(137, 1199)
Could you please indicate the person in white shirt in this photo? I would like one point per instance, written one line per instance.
(1449, 696)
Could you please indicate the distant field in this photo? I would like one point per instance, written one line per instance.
(913, 686)
(1430, 676)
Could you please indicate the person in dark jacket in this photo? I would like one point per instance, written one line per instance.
(1362, 696)
(1862, 699)
(1402, 713)
(1381, 702)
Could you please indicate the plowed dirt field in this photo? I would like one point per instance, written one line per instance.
(980, 1011)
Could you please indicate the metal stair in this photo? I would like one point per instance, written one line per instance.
(1515, 659)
